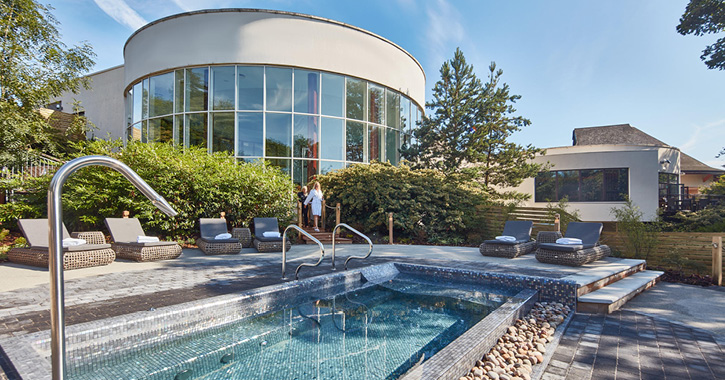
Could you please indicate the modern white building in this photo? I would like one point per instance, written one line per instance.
(607, 163)
(306, 93)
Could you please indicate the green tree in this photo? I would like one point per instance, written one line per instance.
(34, 68)
(641, 239)
(706, 17)
(468, 129)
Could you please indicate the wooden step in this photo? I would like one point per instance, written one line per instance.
(613, 296)
(604, 274)
(325, 238)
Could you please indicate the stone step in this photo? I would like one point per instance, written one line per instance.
(604, 274)
(615, 295)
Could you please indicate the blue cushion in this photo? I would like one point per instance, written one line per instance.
(520, 229)
(503, 242)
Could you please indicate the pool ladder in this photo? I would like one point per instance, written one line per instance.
(322, 249)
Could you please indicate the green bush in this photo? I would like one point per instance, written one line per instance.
(427, 206)
(194, 182)
(641, 238)
(705, 220)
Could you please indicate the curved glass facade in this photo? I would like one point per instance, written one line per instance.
(306, 122)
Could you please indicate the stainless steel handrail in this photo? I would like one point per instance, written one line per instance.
(55, 222)
(351, 257)
(284, 251)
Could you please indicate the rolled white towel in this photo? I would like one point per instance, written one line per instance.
(67, 242)
(568, 241)
(271, 234)
(146, 239)
(506, 238)
(223, 236)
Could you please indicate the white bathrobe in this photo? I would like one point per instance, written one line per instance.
(315, 198)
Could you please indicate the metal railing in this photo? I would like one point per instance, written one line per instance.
(55, 222)
(284, 251)
(351, 257)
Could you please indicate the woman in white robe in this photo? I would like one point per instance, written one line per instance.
(315, 198)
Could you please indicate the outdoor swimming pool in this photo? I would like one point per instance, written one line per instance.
(373, 323)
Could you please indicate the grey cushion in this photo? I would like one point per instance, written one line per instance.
(124, 230)
(520, 229)
(268, 239)
(151, 243)
(505, 242)
(212, 240)
(588, 232)
(565, 247)
(262, 225)
(36, 231)
(211, 227)
(81, 248)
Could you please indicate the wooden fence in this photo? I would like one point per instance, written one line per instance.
(496, 217)
(694, 246)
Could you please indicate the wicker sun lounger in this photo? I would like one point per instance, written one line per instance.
(519, 229)
(125, 232)
(95, 253)
(211, 227)
(575, 254)
(267, 244)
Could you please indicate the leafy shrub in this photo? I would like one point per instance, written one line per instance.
(194, 182)
(561, 208)
(705, 220)
(641, 238)
(427, 205)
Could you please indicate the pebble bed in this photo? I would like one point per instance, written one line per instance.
(522, 347)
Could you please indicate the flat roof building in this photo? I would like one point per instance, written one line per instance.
(306, 93)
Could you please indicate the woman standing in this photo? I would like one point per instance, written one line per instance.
(315, 198)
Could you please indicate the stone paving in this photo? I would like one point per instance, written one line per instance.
(623, 345)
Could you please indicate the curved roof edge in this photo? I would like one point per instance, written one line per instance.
(271, 11)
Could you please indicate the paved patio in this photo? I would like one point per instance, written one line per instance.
(124, 287)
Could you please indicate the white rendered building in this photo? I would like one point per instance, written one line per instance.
(306, 93)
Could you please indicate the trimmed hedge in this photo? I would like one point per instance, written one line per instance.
(428, 206)
(195, 183)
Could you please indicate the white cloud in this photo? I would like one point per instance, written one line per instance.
(444, 30)
(122, 13)
(695, 137)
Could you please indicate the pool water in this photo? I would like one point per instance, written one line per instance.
(376, 332)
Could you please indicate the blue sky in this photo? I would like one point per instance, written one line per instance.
(575, 63)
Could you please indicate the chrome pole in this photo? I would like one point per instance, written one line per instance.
(55, 224)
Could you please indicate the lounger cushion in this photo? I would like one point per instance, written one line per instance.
(211, 227)
(124, 230)
(265, 224)
(267, 239)
(520, 229)
(36, 231)
(150, 243)
(588, 232)
(565, 247)
(212, 240)
(80, 248)
(503, 242)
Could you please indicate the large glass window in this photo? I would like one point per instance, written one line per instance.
(307, 91)
(392, 109)
(303, 171)
(179, 91)
(161, 91)
(250, 131)
(332, 139)
(375, 144)
(160, 129)
(377, 102)
(333, 92)
(279, 135)
(196, 127)
(179, 130)
(222, 137)
(328, 166)
(306, 136)
(137, 102)
(279, 89)
(392, 142)
(222, 78)
(405, 121)
(197, 89)
(283, 164)
(355, 95)
(251, 87)
(588, 185)
(355, 141)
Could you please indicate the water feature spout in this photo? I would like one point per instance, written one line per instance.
(55, 221)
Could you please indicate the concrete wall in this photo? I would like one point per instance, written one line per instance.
(103, 103)
(643, 163)
(270, 37)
